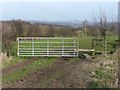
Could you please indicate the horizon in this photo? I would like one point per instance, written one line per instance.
(41, 21)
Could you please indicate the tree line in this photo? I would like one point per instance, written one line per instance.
(18, 28)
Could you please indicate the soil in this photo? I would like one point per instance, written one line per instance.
(61, 74)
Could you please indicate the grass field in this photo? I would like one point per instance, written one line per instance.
(85, 42)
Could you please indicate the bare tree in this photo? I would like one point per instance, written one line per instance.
(104, 26)
(51, 31)
(6, 39)
(17, 25)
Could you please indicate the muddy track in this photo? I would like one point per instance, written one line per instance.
(18, 66)
(59, 74)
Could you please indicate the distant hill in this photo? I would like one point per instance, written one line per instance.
(63, 23)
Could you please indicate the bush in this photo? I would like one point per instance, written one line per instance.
(13, 49)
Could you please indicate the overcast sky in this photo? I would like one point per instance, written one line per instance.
(57, 11)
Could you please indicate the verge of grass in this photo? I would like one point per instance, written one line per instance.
(12, 61)
(43, 62)
(104, 75)
(103, 79)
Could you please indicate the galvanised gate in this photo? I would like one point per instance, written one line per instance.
(47, 46)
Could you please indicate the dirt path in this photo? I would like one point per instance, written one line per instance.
(17, 66)
(60, 74)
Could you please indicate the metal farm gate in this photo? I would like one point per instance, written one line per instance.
(47, 46)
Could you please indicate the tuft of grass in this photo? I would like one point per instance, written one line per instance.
(93, 85)
(23, 72)
(103, 74)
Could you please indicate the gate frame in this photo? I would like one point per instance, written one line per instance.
(75, 47)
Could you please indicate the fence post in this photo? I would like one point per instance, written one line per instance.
(77, 46)
(47, 46)
(74, 47)
(63, 47)
(18, 46)
(32, 46)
